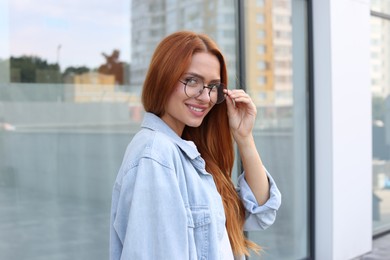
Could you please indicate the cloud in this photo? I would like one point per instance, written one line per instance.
(4, 30)
(84, 29)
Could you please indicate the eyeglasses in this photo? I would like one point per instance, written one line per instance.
(194, 86)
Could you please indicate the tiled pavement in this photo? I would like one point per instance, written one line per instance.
(380, 249)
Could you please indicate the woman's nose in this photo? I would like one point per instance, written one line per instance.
(204, 95)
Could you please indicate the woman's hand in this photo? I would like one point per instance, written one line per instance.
(241, 112)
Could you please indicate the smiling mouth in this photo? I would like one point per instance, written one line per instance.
(196, 109)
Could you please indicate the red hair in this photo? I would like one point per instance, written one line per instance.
(213, 137)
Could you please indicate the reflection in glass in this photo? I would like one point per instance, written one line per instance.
(216, 18)
(70, 84)
(66, 115)
(71, 74)
(380, 6)
(281, 130)
(380, 88)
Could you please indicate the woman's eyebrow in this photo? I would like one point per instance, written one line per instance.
(194, 74)
(200, 76)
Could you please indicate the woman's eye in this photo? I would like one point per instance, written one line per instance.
(192, 81)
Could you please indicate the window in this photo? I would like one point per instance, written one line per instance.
(260, 18)
(259, 3)
(281, 129)
(380, 6)
(65, 98)
(261, 80)
(228, 33)
(261, 65)
(260, 34)
(380, 82)
(70, 86)
(261, 49)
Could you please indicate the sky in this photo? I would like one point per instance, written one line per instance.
(73, 32)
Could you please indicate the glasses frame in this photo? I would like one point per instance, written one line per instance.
(216, 85)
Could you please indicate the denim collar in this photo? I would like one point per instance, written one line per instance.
(155, 123)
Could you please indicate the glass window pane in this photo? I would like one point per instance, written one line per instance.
(259, 3)
(71, 74)
(380, 82)
(281, 131)
(381, 6)
(66, 110)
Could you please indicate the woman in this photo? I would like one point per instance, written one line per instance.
(173, 197)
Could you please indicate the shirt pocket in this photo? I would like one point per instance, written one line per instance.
(199, 221)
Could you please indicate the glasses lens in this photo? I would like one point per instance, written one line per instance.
(216, 94)
(194, 87)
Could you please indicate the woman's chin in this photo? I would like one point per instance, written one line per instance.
(194, 123)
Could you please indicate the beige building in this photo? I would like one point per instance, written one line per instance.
(268, 39)
(97, 87)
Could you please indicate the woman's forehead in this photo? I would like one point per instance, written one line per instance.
(205, 65)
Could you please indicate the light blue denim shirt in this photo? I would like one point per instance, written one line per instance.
(166, 206)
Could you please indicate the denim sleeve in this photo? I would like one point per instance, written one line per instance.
(148, 216)
(259, 217)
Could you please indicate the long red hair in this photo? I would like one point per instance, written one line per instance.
(213, 137)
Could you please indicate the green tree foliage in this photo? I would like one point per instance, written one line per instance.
(76, 70)
(32, 69)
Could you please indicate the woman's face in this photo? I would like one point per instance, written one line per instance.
(181, 110)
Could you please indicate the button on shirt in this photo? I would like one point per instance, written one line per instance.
(166, 206)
